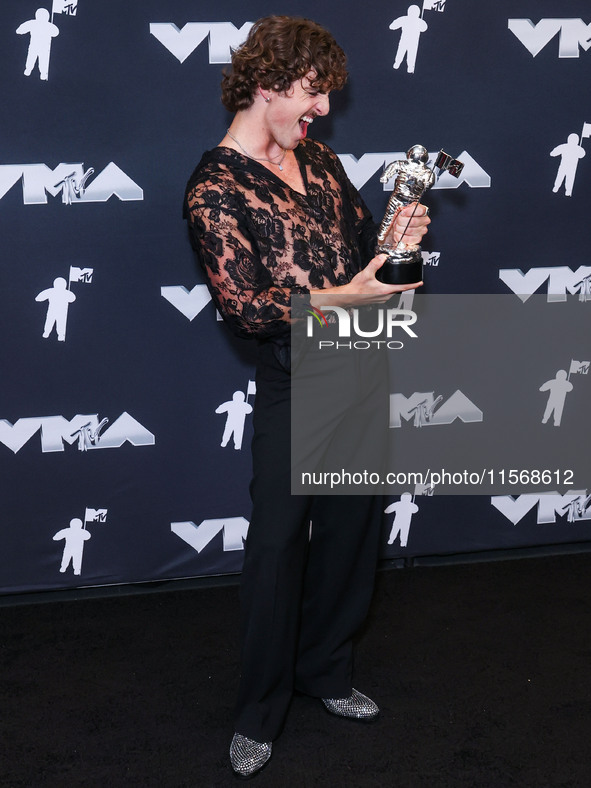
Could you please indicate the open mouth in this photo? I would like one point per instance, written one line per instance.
(305, 121)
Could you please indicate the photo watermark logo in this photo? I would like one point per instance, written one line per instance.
(348, 323)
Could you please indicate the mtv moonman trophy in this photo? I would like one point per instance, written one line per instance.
(405, 263)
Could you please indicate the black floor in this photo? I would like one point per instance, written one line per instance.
(481, 672)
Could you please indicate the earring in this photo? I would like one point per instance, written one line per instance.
(267, 98)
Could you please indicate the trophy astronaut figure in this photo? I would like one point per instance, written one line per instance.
(405, 263)
(413, 178)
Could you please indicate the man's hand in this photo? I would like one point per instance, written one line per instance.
(363, 289)
(417, 226)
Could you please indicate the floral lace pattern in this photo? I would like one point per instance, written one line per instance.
(259, 241)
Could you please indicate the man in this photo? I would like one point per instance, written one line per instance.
(272, 213)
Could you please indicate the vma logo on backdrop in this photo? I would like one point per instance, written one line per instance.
(234, 530)
(222, 38)
(425, 409)
(573, 34)
(68, 181)
(86, 431)
(360, 171)
(560, 281)
(574, 506)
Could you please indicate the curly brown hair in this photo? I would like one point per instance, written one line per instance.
(278, 51)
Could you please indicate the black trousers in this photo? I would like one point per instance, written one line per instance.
(305, 590)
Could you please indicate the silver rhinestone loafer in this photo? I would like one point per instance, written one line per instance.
(248, 756)
(355, 707)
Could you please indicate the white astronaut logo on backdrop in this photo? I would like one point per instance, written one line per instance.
(425, 409)
(561, 281)
(412, 26)
(236, 410)
(84, 430)
(403, 511)
(558, 387)
(574, 33)
(59, 297)
(570, 153)
(75, 536)
(70, 181)
(222, 37)
(360, 171)
(573, 506)
(42, 31)
(234, 530)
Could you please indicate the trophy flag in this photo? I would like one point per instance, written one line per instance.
(444, 162)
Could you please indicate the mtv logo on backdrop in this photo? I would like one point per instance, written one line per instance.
(574, 33)
(81, 274)
(223, 37)
(85, 430)
(95, 515)
(67, 7)
(361, 170)
(431, 258)
(561, 280)
(70, 181)
(425, 409)
(574, 506)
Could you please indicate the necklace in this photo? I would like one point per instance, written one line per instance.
(257, 158)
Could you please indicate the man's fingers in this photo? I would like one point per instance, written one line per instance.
(377, 262)
(419, 211)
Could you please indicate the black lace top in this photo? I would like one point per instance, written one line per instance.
(259, 241)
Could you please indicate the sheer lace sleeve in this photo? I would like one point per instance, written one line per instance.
(241, 286)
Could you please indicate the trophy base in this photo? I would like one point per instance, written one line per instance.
(401, 268)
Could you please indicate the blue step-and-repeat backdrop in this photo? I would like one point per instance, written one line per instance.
(118, 376)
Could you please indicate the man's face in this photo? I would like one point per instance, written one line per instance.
(290, 113)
